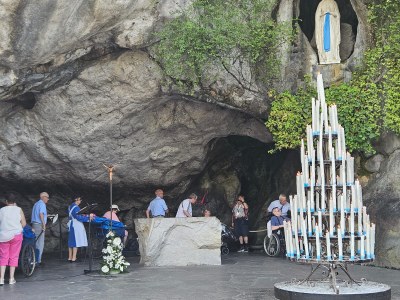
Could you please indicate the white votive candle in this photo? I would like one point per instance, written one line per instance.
(309, 218)
(340, 243)
(313, 124)
(328, 246)
(317, 242)
(305, 240)
(362, 251)
(331, 218)
(320, 223)
(351, 219)
(368, 241)
(352, 247)
(372, 237)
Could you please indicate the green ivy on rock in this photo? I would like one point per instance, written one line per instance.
(231, 36)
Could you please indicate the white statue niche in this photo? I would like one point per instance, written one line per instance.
(327, 32)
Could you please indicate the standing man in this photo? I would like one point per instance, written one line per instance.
(157, 206)
(185, 208)
(39, 220)
(282, 204)
(240, 222)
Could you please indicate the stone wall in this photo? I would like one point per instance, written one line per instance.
(382, 195)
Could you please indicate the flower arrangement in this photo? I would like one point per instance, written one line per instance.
(113, 260)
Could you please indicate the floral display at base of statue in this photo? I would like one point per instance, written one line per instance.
(113, 260)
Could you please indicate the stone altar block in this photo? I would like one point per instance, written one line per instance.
(179, 241)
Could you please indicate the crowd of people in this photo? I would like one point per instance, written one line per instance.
(12, 222)
(278, 211)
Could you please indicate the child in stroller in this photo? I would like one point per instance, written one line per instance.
(229, 239)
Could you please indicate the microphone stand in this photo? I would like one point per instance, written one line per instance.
(90, 249)
(88, 209)
(59, 231)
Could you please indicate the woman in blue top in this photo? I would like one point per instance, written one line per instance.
(76, 231)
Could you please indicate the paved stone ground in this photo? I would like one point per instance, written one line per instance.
(241, 276)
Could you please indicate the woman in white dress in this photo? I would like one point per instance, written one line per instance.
(76, 231)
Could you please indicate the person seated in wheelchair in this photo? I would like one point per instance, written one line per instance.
(282, 204)
(277, 221)
(112, 215)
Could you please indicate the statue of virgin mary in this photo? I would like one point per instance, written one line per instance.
(327, 32)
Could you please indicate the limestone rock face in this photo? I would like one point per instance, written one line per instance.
(374, 163)
(179, 241)
(41, 42)
(388, 143)
(114, 112)
(347, 42)
(382, 195)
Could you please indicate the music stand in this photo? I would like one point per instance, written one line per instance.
(88, 210)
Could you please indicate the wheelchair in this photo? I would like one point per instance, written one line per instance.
(274, 242)
(27, 256)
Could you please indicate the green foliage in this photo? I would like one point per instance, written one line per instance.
(358, 112)
(385, 21)
(368, 104)
(224, 35)
(289, 116)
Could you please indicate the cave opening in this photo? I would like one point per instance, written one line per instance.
(242, 165)
(27, 100)
(348, 24)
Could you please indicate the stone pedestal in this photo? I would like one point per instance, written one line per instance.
(332, 73)
(179, 241)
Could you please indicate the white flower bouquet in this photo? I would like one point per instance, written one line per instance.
(113, 260)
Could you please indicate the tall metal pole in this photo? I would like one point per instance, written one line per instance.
(111, 201)
(110, 170)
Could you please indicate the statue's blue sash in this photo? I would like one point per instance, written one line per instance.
(327, 32)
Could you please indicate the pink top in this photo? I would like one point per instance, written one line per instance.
(107, 215)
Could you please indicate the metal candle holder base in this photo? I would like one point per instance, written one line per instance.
(330, 286)
(330, 272)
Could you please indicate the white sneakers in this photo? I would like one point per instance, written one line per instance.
(244, 249)
(12, 281)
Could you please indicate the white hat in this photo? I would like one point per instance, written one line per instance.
(115, 206)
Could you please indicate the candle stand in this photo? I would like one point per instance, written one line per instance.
(329, 227)
(330, 274)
